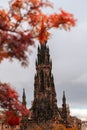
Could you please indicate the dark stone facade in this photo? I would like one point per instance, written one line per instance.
(45, 103)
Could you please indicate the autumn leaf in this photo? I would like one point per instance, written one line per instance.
(3, 55)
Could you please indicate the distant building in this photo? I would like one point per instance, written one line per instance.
(84, 125)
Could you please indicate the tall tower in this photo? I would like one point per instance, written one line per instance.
(45, 103)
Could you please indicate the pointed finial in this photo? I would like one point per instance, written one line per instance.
(23, 91)
(63, 93)
(64, 98)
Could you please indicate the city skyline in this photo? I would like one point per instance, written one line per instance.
(69, 64)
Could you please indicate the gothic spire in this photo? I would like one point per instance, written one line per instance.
(64, 110)
(24, 98)
(64, 99)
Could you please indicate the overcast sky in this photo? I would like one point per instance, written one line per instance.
(68, 52)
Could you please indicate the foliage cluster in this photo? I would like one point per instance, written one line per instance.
(26, 21)
(11, 105)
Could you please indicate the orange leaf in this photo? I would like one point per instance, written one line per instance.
(3, 55)
(17, 17)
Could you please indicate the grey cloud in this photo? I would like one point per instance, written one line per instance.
(76, 94)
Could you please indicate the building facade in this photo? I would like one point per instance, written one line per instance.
(45, 103)
(44, 106)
